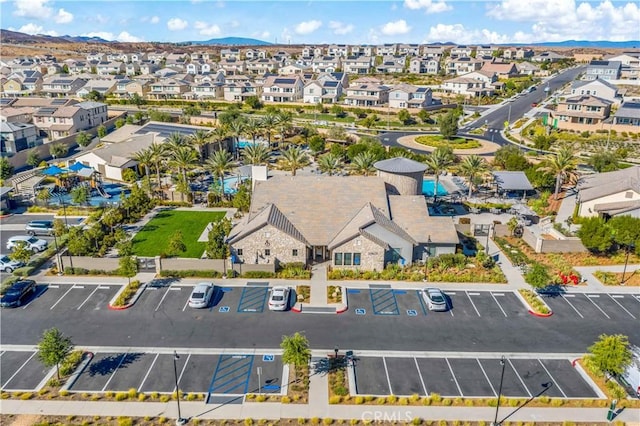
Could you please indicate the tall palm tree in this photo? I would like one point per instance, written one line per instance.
(220, 163)
(219, 135)
(236, 128)
(253, 128)
(183, 158)
(562, 165)
(201, 139)
(362, 163)
(269, 123)
(330, 164)
(438, 162)
(176, 140)
(144, 159)
(256, 153)
(293, 159)
(472, 167)
(157, 152)
(285, 122)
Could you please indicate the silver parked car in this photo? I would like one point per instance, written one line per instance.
(279, 299)
(34, 244)
(201, 295)
(435, 299)
(7, 265)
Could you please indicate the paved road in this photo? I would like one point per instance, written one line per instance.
(482, 322)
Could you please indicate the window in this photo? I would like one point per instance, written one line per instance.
(356, 259)
(629, 194)
(267, 252)
(239, 251)
(294, 252)
(347, 259)
(337, 258)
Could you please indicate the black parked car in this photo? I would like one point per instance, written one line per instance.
(18, 291)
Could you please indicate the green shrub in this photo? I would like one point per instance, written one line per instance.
(359, 400)
(285, 399)
(258, 274)
(190, 273)
(125, 421)
(121, 396)
(71, 362)
(128, 292)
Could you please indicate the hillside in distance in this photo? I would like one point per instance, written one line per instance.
(231, 41)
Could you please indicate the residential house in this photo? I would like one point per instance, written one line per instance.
(599, 88)
(363, 50)
(627, 118)
(433, 52)
(206, 90)
(138, 57)
(16, 137)
(461, 51)
(468, 87)
(283, 89)
(364, 94)
(357, 64)
(463, 65)
(232, 66)
(409, 49)
(292, 69)
(132, 68)
(403, 96)
(104, 86)
(261, 66)
(527, 68)
(12, 86)
(338, 50)
(168, 88)
(326, 64)
(126, 88)
(53, 69)
(485, 50)
(62, 86)
(501, 69)
(240, 90)
(67, 120)
(630, 68)
(322, 91)
(519, 53)
(605, 70)
(110, 68)
(581, 113)
(10, 114)
(610, 194)
(148, 68)
(391, 65)
(342, 77)
(387, 49)
(424, 66)
(255, 54)
(230, 53)
(548, 56)
(366, 227)
(96, 56)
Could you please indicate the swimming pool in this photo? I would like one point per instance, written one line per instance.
(112, 189)
(428, 187)
(244, 143)
(231, 184)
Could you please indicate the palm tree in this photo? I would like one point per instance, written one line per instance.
(253, 128)
(256, 153)
(201, 139)
(471, 167)
(562, 165)
(438, 162)
(285, 122)
(362, 163)
(157, 152)
(144, 159)
(236, 128)
(269, 122)
(293, 159)
(183, 158)
(219, 135)
(176, 140)
(330, 164)
(220, 163)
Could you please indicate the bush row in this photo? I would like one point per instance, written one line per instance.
(534, 301)
(126, 295)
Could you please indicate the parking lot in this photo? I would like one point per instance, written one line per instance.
(71, 297)
(217, 375)
(469, 377)
(22, 371)
(604, 306)
(383, 300)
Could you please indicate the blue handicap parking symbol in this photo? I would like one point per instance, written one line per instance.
(224, 309)
(361, 311)
(412, 312)
(268, 358)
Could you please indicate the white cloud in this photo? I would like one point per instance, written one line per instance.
(177, 24)
(234, 24)
(261, 35)
(105, 35)
(32, 28)
(36, 9)
(128, 38)
(307, 27)
(154, 19)
(206, 29)
(429, 6)
(63, 17)
(340, 28)
(100, 19)
(395, 28)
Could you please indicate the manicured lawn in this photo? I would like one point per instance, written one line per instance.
(455, 143)
(152, 240)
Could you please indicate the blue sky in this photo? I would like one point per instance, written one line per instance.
(320, 21)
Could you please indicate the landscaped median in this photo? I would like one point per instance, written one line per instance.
(534, 303)
(127, 296)
(631, 278)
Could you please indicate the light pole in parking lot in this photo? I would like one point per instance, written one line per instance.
(179, 421)
(426, 260)
(502, 363)
(66, 226)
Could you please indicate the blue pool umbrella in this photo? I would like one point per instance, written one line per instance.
(54, 171)
(76, 167)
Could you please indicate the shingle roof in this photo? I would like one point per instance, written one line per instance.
(400, 165)
(603, 184)
(411, 214)
(270, 215)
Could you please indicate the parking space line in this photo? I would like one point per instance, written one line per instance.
(18, 370)
(454, 377)
(594, 304)
(148, 371)
(623, 308)
(424, 387)
(499, 306)
(162, 299)
(551, 377)
(61, 297)
(486, 377)
(519, 377)
(424, 308)
(124, 355)
(473, 304)
(571, 304)
(88, 297)
(184, 367)
(186, 304)
(386, 371)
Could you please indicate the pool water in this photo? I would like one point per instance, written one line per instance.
(114, 190)
(244, 143)
(231, 184)
(428, 188)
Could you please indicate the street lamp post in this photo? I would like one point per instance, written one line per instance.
(502, 363)
(486, 247)
(66, 226)
(626, 262)
(179, 421)
(59, 265)
(426, 260)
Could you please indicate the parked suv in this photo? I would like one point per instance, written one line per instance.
(34, 244)
(39, 227)
(7, 265)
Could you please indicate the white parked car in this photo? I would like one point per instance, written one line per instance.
(279, 299)
(34, 244)
(7, 265)
(201, 295)
(435, 299)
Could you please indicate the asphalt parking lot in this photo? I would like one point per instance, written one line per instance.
(383, 300)
(71, 297)
(469, 377)
(22, 371)
(217, 375)
(609, 306)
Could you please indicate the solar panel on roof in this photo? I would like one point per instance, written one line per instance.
(5, 101)
(30, 80)
(47, 110)
(331, 83)
(284, 81)
(59, 102)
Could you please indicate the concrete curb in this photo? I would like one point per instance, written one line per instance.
(585, 376)
(88, 356)
(132, 301)
(530, 308)
(297, 308)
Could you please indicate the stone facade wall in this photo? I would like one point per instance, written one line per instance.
(280, 246)
(405, 184)
(371, 254)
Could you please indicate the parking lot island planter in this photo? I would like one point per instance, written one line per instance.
(126, 297)
(534, 303)
(86, 359)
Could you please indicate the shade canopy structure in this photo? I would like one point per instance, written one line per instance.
(512, 181)
(54, 171)
(76, 167)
